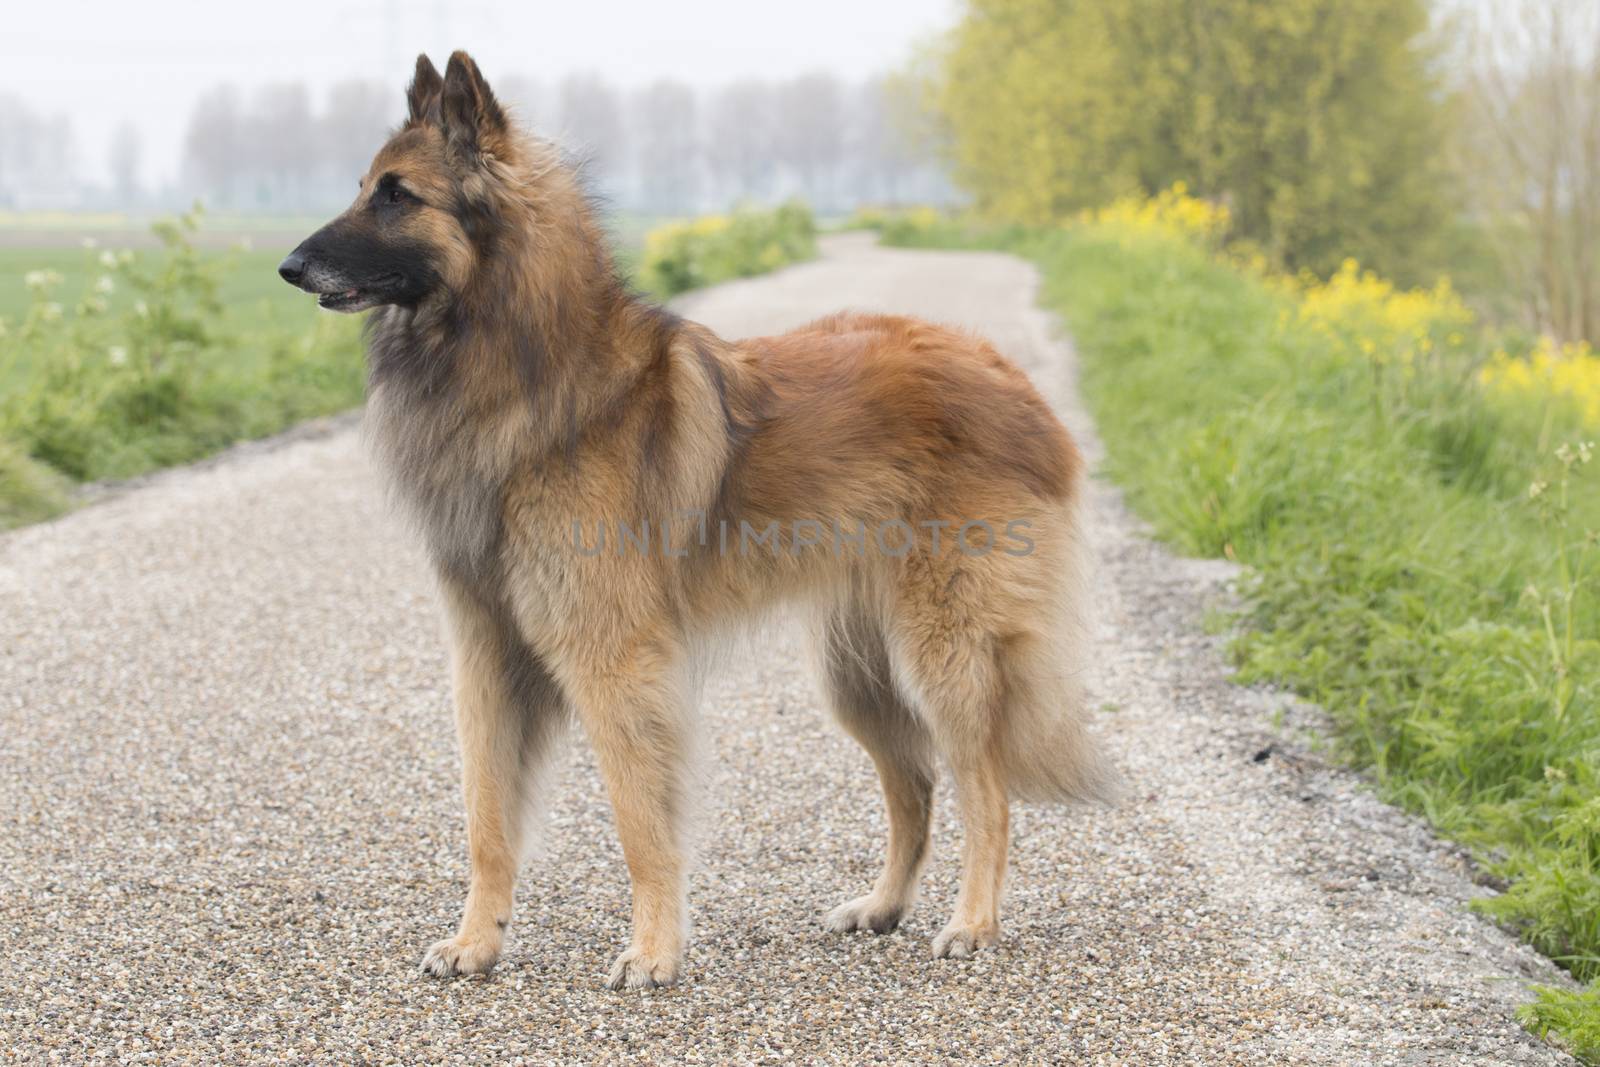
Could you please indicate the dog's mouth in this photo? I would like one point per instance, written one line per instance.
(344, 299)
(340, 301)
(361, 297)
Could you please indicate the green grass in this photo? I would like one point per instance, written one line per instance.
(1392, 547)
(1573, 1019)
(1400, 574)
(29, 490)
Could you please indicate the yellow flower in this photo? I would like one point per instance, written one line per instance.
(1173, 213)
(1362, 315)
(1365, 314)
(1570, 371)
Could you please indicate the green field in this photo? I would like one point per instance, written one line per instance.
(251, 283)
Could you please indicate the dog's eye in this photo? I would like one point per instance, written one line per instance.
(397, 195)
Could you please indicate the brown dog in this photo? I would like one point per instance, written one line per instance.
(604, 487)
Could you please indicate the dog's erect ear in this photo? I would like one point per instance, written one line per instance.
(422, 95)
(474, 124)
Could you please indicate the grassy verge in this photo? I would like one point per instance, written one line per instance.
(1419, 517)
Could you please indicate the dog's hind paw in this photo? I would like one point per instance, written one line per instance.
(637, 969)
(957, 942)
(459, 955)
(865, 913)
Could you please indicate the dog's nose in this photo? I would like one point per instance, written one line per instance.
(292, 268)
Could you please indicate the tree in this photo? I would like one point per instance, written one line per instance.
(37, 157)
(123, 159)
(1315, 120)
(666, 147)
(280, 124)
(591, 123)
(740, 138)
(358, 119)
(890, 144)
(1531, 153)
(213, 146)
(808, 133)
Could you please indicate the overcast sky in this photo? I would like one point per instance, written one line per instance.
(100, 63)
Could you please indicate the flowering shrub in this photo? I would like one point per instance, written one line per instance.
(102, 380)
(869, 217)
(1367, 316)
(686, 255)
(145, 366)
(1364, 316)
(1565, 372)
(1172, 213)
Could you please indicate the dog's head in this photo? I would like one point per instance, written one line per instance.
(427, 205)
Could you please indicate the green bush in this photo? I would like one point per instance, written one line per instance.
(681, 256)
(1573, 1018)
(144, 370)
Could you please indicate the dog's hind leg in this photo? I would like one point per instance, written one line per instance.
(949, 668)
(855, 671)
(509, 714)
(985, 818)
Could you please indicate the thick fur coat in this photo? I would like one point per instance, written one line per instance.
(604, 489)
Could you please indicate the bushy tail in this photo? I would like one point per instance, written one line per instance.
(1050, 754)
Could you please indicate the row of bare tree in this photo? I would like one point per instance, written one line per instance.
(663, 149)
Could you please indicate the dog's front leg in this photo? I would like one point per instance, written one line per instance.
(633, 710)
(508, 715)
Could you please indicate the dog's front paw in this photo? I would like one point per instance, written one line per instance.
(637, 969)
(461, 955)
(866, 913)
(959, 941)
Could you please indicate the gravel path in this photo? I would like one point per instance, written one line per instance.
(229, 820)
